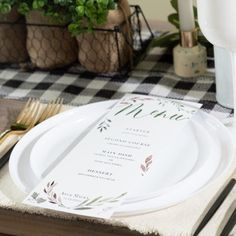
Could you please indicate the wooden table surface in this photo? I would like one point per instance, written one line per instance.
(16, 223)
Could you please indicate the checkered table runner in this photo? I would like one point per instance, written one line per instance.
(154, 75)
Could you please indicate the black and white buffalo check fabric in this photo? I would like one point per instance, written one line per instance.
(154, 75)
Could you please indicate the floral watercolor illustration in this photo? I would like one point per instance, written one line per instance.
(55, 198)
(131, 100)
(146, 165)
(162, 102)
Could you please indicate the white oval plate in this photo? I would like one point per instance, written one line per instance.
(55, 144)
(214, 157)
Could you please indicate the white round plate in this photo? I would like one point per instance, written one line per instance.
(212, 142)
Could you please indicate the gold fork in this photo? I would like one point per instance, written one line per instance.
(24, 121)
(30, 116)
(50, 110)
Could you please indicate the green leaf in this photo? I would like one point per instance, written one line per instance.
(90, 4)
(5, 8)
(174, 19)
(121, 195)
(80, 10)
(195, 16)
(80, 2)
(195, 12)
(75, 28)
(174, 4)
(111, 5)
(93, 201)
(168, 40)
(38, 4)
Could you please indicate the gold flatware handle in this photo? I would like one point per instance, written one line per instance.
(2, 135)
(10, 137)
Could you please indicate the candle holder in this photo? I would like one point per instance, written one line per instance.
(189, 57)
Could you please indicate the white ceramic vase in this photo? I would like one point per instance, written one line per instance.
(223, 73)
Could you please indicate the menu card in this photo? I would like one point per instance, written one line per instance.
(101, 170)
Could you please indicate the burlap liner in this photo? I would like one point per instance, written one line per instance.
(49, 47)
(107, 51)
(12, 39)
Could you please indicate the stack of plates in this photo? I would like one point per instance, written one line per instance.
(203, 151)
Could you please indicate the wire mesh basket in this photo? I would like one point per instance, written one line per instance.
(50, 47)
(12, 38)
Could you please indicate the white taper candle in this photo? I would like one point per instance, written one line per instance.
(186, 16)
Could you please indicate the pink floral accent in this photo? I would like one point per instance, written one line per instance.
(131, 100)
(125, 103)
(135, 99)
(146, 165)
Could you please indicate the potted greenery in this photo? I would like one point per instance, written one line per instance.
(12, 36)
(49, 43)
(98, 49)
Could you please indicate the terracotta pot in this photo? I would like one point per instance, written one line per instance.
(49, 47)
(12, 38)
(107, 51)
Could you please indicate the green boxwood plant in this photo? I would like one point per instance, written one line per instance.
(6, 6)
(90, 13)
(77, 13)
(56, 9)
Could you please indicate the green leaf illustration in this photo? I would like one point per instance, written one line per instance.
(93, 201)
